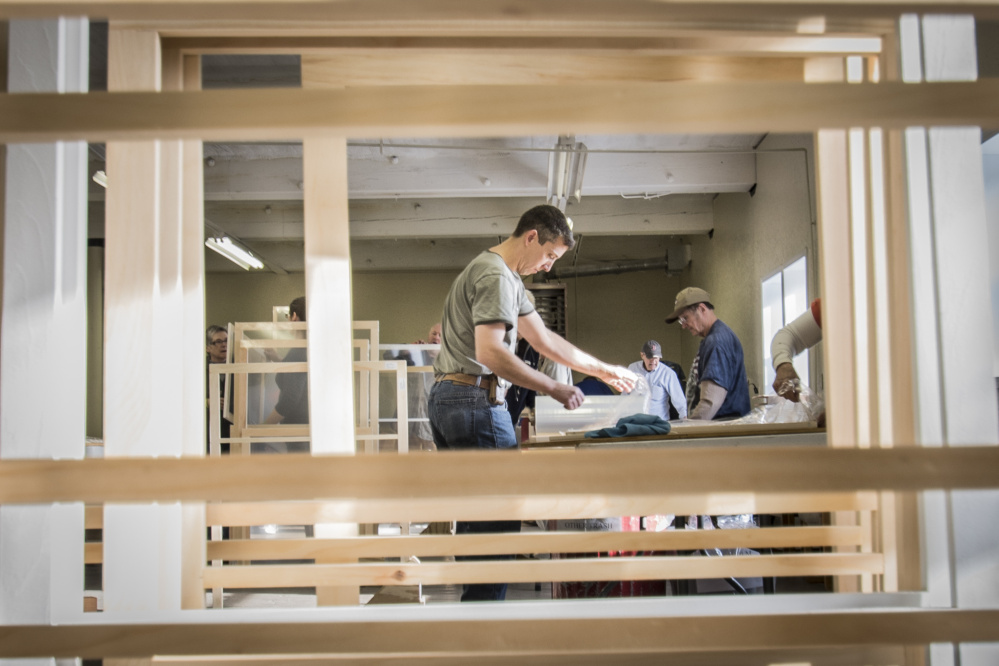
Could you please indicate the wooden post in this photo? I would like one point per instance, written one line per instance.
(327, 285)
(154, 401)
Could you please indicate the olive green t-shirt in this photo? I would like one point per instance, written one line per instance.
(486, 292)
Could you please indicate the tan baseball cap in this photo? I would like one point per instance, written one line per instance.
(686, 298)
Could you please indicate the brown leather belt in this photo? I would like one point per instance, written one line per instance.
(487, 382)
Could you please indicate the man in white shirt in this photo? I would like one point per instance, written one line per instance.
(668, 400)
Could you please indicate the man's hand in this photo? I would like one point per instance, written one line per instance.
(570, 396)
(787, 383)
(619, 377)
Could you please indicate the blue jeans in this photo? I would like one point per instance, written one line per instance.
(461, 418)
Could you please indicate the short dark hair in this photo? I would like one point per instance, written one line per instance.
(550, 223)
(297, 307)
(211, 331)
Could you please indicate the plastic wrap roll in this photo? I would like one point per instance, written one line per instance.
(597, 411)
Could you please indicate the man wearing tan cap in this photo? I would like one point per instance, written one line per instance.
(717, 387)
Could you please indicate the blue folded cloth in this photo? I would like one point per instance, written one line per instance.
(636, 425)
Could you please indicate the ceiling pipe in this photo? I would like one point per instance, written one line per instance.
(616, 268)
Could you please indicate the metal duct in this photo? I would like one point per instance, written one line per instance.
(562, 272)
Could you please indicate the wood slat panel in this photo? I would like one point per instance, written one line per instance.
(629, 473)
(527, 507)
(552, 542)
(493, 110)
(499, 636)
(528, 571)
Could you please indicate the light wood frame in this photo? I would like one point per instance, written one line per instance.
(722, 107)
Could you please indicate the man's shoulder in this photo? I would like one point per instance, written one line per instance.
(485, 261)
(721, 331)
(636, 366)
(723, 338)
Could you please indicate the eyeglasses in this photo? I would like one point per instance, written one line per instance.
(685, 317)
(220, 342)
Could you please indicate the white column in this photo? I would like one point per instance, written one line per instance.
(42, 347)
(955, 391)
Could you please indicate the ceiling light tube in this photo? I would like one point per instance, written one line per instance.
(234, 253)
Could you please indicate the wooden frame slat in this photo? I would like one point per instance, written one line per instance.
(547, 12)
(531, 507)
(814, 657)
(493, 110)
(529, 571)
(375, 68)
(717, 42)
(527, 543)
(595, 473)
(686, 42)
(604, 634)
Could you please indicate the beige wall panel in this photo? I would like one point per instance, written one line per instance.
(242, 296)
(405, 304)
(754, 237)
(611, 316)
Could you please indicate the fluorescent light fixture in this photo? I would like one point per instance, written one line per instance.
(566, 164)
(235, 253)
(101, 179)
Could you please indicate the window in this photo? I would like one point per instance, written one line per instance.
(784, 298)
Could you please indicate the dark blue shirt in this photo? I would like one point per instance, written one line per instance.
(720, 360)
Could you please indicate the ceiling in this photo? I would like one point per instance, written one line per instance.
(432, 204)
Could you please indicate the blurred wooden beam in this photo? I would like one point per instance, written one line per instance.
(491, 111)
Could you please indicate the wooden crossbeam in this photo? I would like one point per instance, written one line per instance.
(607, 634)
(747, 107)
(664, 42)
(551, 542)
(825, 656)
(394, 68)
(528, 571)
(451, 475)
(553, 12)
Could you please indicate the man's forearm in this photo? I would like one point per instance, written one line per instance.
(560, 350)
(712, 397)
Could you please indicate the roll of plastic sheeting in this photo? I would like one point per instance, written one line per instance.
(597, 411)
